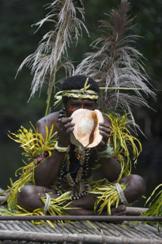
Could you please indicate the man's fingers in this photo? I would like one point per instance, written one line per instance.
(106, 130)
(65, 120)
(103, 133)
(120, 210)
(67, 125)
(69, 130)
(105, 125)
(61, 115)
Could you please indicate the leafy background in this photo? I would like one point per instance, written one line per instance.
(17, 40)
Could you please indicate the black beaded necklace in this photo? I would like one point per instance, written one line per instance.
(78, 156)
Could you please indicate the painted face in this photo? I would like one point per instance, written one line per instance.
(74, 104)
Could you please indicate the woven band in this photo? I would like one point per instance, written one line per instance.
(61, 149)
(83, 93)
(121, 194)
(47, 203)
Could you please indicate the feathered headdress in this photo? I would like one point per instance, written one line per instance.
(116, 64)
(67, 17)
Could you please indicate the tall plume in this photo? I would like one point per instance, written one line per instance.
(52, 52)
(116, 64)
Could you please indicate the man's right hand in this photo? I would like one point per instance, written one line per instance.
(65, 128)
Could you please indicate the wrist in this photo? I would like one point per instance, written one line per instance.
(63, 141)
(121, 193)
(102, 147)
(61, 148)
(106, 152)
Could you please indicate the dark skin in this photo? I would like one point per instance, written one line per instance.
(47, 170)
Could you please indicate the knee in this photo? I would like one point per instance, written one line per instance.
(26, 196)
(138, 183)
(25, 193)
(135, 187)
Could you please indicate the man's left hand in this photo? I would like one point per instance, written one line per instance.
(105, 131)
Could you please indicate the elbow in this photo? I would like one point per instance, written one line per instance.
(40, 127)
(113, 176)
(111, 170)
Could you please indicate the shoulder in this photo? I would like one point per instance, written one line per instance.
(47, 121)
(50, 118)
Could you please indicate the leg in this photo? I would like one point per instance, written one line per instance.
(86, 202)
(29, 197)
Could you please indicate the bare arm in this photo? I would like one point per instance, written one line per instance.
(110, 168)
(47, 121)
(47, 170)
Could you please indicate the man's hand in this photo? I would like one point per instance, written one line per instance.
(65, 128)
(120, 210)
(105, 131)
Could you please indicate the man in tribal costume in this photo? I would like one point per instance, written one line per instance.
(79, 171)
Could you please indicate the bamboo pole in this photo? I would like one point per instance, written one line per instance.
(135, 211)
(83, 218)
(74, 238)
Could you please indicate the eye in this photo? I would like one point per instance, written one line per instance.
(88, 105)
(76, 105)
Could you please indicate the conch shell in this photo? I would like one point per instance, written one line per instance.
(86, 127)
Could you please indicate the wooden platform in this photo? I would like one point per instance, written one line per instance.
(14, 232)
